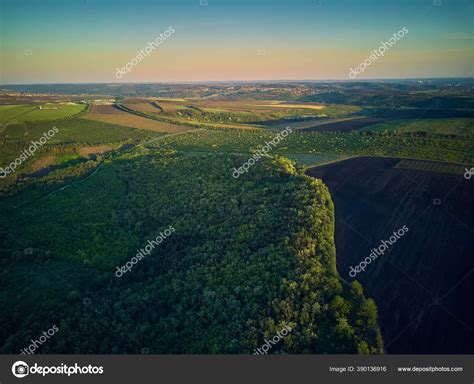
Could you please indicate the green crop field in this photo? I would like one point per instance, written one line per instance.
(10, 113)
(453, 126)
(13, 114)
(73, 134)
(74, 131)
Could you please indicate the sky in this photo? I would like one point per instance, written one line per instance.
(86, 41)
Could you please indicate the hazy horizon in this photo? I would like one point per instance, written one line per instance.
(253, 81)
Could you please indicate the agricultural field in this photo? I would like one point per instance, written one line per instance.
(450, 126)
(74, 139)
(418, 277)
(112, 115)
(146, 107)
(8, 113)
(449, 150)
(15, 114)
(292, 106)
(103, 121)
(15, 98)
(74, 131)
(431, 166)
(183, 115)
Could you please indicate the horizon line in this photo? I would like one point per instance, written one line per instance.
(247, 81)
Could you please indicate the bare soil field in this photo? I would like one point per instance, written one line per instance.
(423, 283)
(138, 100)
(293, 106)
(144, 107)
(93, 150)
(260, 106)
(102, 109)
(112, 115)
(41, 163)
(167, 106)
(171, 111)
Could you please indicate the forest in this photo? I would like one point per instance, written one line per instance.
(248, 258)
